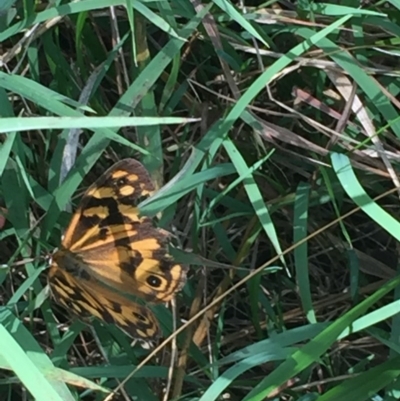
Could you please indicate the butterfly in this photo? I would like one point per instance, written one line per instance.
(110, 253)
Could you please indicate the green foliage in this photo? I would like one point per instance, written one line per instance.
(278, 133)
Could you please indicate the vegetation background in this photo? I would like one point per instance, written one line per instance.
(280, 121)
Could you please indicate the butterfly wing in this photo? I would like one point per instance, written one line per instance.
(86, 298)
(118, 246)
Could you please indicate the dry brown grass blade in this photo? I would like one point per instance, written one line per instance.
(343, 85)
(203, 327)
(184, 354)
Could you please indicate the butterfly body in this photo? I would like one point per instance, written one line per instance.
(109, 253)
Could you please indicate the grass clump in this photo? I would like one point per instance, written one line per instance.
(276, 126)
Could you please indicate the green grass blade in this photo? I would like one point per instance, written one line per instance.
(25, 362)
(300, 220)
(356, 192)
(316, 347)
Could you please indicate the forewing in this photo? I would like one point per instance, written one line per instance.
(110, 201)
